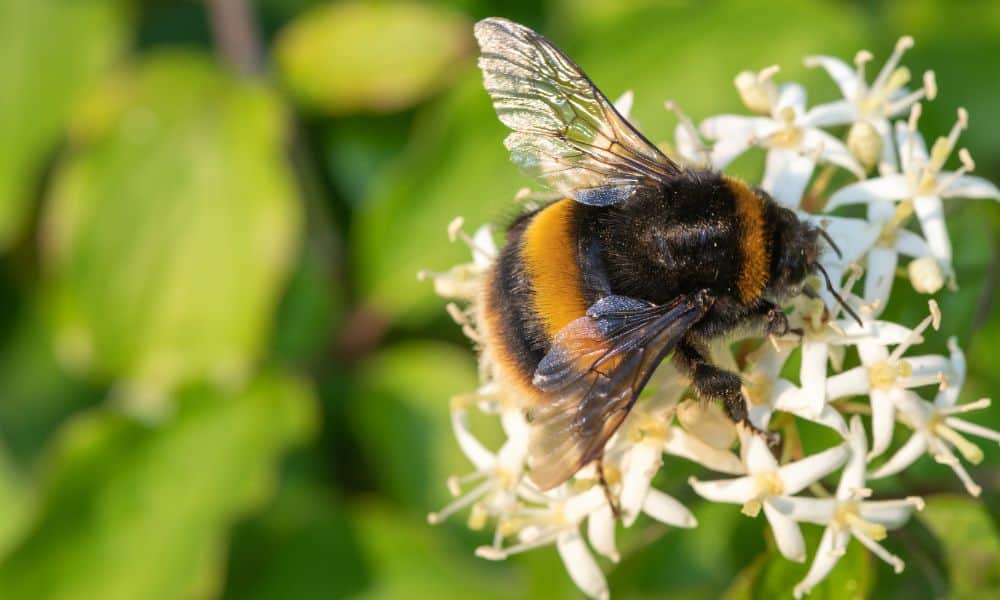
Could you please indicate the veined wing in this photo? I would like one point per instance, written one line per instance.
(565, 131)
(594, 371)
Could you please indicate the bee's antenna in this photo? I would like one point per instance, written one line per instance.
(833, 291)
(829, 240)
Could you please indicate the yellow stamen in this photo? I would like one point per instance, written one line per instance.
(478, 517)
(970, 451)
(751, 508)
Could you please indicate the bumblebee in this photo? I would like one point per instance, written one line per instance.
(642, 259)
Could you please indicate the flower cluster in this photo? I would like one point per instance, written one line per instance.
(902, 186)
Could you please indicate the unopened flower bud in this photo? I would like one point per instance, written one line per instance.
(757, 90)
(926, 275)
(865, 144)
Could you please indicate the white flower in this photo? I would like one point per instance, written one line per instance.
(688, 145)
(768, 483)
(886, 376)
(848, 515)
(461, 282)
(497, 476)
(822, 342)
(937, 429)
(869, 107)
(794, 145)
(923, 183)
(662, 427)
(557, 523)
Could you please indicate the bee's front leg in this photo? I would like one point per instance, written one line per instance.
(714, 383)
(776, 321)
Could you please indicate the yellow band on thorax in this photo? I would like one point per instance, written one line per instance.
(753, 242)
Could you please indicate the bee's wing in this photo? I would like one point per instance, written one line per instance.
(593, 373)
(565, 131)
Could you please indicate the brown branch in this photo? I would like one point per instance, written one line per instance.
(235, 33)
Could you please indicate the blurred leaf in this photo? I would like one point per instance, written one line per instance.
(171, 227)
(371, 57)
(665, 562)
(37, 394)
(456, 163)
(401, 412)
(410, 559)
(15, 501)
(319, 553)
(50, 50)
(137, 511)
(310, 309)
(852, 577)
(971, 544)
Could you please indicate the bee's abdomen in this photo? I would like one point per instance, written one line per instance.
(536, 288)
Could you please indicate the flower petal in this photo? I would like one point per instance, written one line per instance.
(831, 548)
(930, 212)
(889, 187)
(477, 454)
(756, 454)
(791, 95)
(580, 564)
(643, 461)
(852, 382)
(843, 74)
(806, 510)
(733, 491)
(926, 370)
(908, 454)
(831, 150)
(601, 533)
(786, 174)
(912, 148)
(683, 444)
(666, 509)
(838, 112)
(970, 186)
(853, 477)
(813, 375)
(880, 275)
(801, 473)
(883, 419)
(911, 244)
(888, 513)
(787, 534)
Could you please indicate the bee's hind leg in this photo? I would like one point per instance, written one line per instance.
(714, 383)
(615, 510)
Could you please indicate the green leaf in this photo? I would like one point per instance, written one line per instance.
(130, 510)
(401, 414)
(15, 501)
(671, 562)
(409, 559)
(971, 544)
(50, 50)
(171, 226)
(319, 557)
(371, 57)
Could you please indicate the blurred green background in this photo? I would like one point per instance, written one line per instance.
(219, 375)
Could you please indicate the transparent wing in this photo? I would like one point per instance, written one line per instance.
(565, 131)
(596, 368)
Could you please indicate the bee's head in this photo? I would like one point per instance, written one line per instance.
(795, 255)
(794, 252)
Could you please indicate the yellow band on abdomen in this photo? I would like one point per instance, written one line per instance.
(549, 253)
